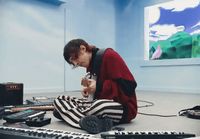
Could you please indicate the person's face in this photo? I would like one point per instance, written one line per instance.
(83, 59)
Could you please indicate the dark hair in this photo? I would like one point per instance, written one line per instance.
(72, 49)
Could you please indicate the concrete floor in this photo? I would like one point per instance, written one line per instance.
(164, 104)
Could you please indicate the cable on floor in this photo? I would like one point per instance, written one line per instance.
(150, 104)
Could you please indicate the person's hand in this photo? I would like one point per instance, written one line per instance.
(89, 87)
(85, 82)
(84, 94)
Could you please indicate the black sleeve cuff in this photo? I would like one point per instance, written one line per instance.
(99, 86)
(125, 115)
(127, 86)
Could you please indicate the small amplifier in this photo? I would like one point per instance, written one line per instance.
(11, 94)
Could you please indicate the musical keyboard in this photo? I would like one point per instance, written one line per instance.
(41, 133)
(145, 135)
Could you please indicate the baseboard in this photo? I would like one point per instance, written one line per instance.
(43, 90)
(139, 88)
(169, 89)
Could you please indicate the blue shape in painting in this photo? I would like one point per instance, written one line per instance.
(174, 30)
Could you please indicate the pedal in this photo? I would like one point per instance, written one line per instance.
(195, 114)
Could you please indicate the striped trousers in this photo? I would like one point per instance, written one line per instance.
(72, 109)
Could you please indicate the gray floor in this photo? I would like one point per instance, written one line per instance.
(164, 104)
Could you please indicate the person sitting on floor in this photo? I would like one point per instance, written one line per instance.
(108, 89)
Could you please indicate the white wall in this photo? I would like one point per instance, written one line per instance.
(33, 34)
(31, 44)
(93, 21)
(168, 76)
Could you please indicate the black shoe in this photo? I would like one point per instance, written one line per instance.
(92, 124)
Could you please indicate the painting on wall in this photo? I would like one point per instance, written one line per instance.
(172, 30)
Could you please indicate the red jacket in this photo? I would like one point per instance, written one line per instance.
(115, 81)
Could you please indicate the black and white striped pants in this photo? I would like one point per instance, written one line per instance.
(72, 109)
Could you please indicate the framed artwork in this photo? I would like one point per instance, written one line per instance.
(172, 30)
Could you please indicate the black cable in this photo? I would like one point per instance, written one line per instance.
(150, 104)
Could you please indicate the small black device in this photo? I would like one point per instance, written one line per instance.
(11, 94)
(193, 113)
(24, 115)
(38, 122)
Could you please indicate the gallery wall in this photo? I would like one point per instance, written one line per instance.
(31, 44)
(93, 21)
(33, 34)
(180, 76)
